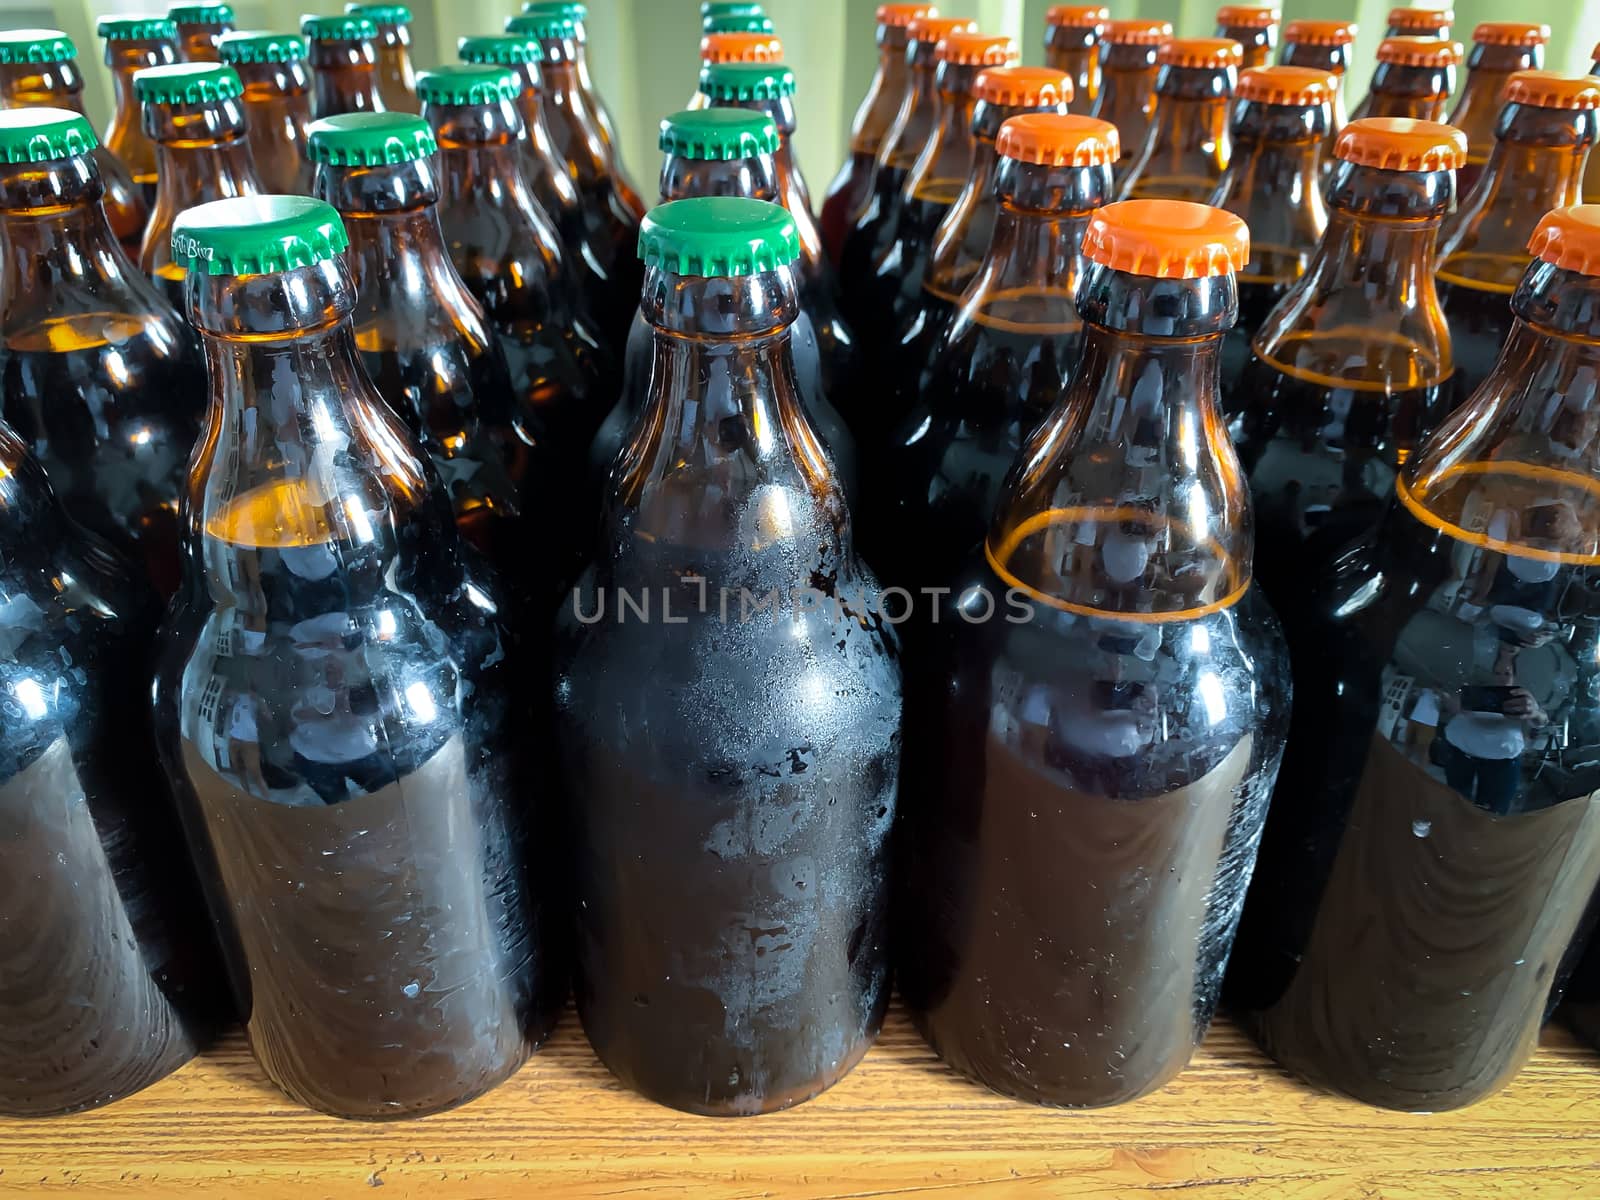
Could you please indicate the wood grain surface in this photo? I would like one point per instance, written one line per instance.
(1232, 1125)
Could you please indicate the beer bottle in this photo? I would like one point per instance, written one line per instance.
(1414, 79)
(1128, 71)
(397, 78)
(344, 64)
(1420, 22)
(1437, 841)
(199, 27)
(193, 112)
(1254, 27)
(1187, 146)
(718, 49)
(1323, 46)
(337, 705)
(1354, 365)
(757, 984)
(277, 102)
(108, 965)
(509, 256)
(1072, 46)
(963, 235)
(101, 377)
(578, 14)
(133, 43)
(1001, 357)
(1499, 50)
(1543, 139)
(40, 67)
(423, 339)
(873, 222)
(1591, 177)
(1102, 705)
(875, 115)
(1273, 183)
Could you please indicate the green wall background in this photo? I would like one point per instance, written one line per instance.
(644, 52)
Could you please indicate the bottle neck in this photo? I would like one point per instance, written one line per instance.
(28, 85)
(126, 57)
(559, 69)
(265, 82)
(890, 82)
(1127, 92)
(946, 163)
(345, 75)
(919, 113)
(53, 229)
(198, 43)
(1274, 182)
(754, 178)
(1417, 93)
(1192, 109)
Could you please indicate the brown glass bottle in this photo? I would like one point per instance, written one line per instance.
(732, 873)
(874, 117)
(1434, 845)
(1420, 22)
(1354, 366)
(1000, 358)
(1499, 50)
(875, 220)
(1323, 46)
(510, 258)
(1254, 27)
(424, 340)
(1187, 146)
(199, 27)
(1128, 71)
(195, 115)
(133, 43)
(1544, 137)
(578, 14)
(1414, 79)
(340, 705)
(962, 237)
(397, 78)
(1101, 706)
(1274, 183)
(277, 103)
(101, 377)
(40, 67)
(1072, 46)
(344, 64)
(1591, 177)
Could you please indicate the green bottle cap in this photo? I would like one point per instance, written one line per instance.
(338, 29)
(30, 135)
(35, 46)
(718, 235)
(718, 134)
(381, 14)
(545, 27)
(369, 139)
(500, 50)
(555, 8)
(741, 82)
(187, 83)
(201, 14)
(257, 235)
(260, 46)
(734, 24)
(137, 28)
(468, 83)
(724, 8)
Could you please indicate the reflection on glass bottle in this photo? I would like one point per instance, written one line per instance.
(344, 64)
(1254, 27)
(1414, 79)
(133, 43)
(277, 104)
(1128, 69)
(100, 376)
(338, 703)
(200, 27)
(1437, 836)
(1499, 50)
(1095, 722)
(1072, 46)
(732, 822)
(397, 78)
(1187, 147)
(108, 980)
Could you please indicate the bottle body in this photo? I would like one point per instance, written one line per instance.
(1127, 96)
(277, 103)
(1075, 52)
(1477, 110)
(1419, 93)
(397, 78)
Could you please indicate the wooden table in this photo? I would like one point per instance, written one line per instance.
(1232, 1125)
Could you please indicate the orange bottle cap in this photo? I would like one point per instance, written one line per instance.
(1321, 33)
(1299, 87)
(1420, 52)
(1551, 89)
(977, 50)
(1138, 33)
(1022, 87)
(1077, 16)
(934, 29)
(1511, 33)
(1059, 140)
(1214, 54)
(1421, 18)
(1248, 16)
(901, 15)
(741, 48)
(1401, 144)
(1569, 238)
(1167, 239)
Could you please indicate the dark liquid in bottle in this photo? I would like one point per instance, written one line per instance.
(844, 197)
(1274, 270)
(1480, 320)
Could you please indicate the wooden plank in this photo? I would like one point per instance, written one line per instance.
(1231, 1125)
